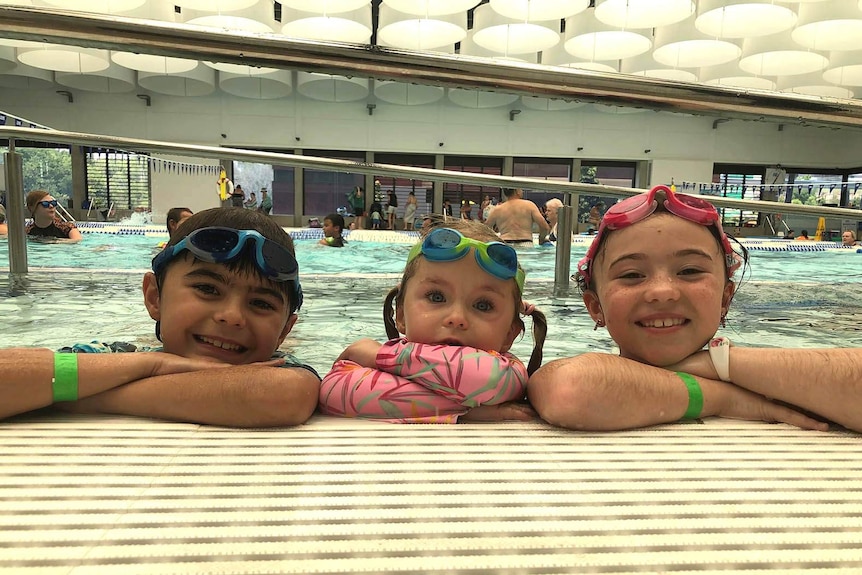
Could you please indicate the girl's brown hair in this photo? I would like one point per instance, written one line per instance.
(477, 231)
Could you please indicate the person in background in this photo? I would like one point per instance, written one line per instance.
(175, 217)
(447, 208)
(803, 236)
(376, 210)
(391, 209)
(660, 277)
(333, 227)
(483, 207)
(237, 197)
(265, 202)
(357, 201)
(224, 295)
(457, 312)
(466, 210)
(595, 216)
(410, 211)
(848, 238)
(46, 223)
(4, 227)
(251, 202)
(551, 208)
(515, 217)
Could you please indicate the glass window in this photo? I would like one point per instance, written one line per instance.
(255, 177)
(324, 191)
(737, 182)
(118, 179)
(422, 189)
(551, 169)
(470, 195)
(620, 174)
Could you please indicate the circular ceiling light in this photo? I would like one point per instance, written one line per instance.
(681, 45)
(505, 36)
(829, 26)
(64, 58)
(404, 94)
(401, 30)
(538, 10)
(197, 82)
(258, 87)
(643, 13)
(589, 39)
(354, 27)
(779, 55)
(743, 18)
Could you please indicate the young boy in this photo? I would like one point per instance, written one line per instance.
(333, 225)
(224, 294)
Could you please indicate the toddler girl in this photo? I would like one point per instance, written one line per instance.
(458, 307)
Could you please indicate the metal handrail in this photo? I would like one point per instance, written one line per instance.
(568, 189)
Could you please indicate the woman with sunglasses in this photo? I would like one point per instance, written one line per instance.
(224, 294)
(457, 313)
(46, 223)
(659, 275)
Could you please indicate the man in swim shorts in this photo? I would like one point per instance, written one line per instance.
(514, 219)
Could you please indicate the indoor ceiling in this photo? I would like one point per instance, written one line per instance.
(811, 47)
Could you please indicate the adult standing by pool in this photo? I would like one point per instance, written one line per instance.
(357, 201)
(515, 217)
(391, 208)
(265, 202)
(237, 197)
(410, 211)
(46, 223)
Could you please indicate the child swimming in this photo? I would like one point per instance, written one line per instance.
(457, 313)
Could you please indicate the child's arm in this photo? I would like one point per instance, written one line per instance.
(596, 391)
(28, 373)
(236, 396)
(825, 381)
(382, 382)
(468, 375)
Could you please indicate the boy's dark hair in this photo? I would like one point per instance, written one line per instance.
(239, 219)
(337, 221)
(477, 231)
(174, 215)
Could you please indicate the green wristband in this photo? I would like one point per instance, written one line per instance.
(65, 382)
(695, 396)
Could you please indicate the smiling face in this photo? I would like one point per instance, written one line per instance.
(458, 303)
(660, 288)
(209, 311)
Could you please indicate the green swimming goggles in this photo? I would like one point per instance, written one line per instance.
(447, 245)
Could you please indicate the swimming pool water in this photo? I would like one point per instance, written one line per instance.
(52, 309)
(135, 252)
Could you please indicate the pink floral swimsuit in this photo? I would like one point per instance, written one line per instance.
(422, 383)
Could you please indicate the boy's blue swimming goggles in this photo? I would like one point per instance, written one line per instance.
(446, 245)
(220, 245)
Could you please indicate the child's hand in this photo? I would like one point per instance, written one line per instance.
(168, 363)
(509, 411)
(738, 403)
(363, 352)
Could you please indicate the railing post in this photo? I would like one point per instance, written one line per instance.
(562, 267)
(15, 212)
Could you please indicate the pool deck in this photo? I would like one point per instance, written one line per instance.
(89, 494)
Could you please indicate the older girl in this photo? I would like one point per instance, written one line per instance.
(659, 276)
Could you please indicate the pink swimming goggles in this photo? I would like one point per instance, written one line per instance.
(637, 208)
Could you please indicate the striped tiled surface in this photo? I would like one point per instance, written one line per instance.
(82, 495)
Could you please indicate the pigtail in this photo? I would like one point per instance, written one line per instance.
(540, 331)
(389, 313)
